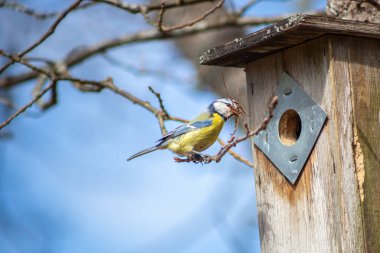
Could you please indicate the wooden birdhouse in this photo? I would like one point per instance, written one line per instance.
(317, 165)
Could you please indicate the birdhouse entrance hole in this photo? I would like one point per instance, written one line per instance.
(289, 127)
(294, 129)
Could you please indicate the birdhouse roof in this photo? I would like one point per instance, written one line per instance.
(284, 34)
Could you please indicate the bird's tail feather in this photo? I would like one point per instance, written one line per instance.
(143, 152)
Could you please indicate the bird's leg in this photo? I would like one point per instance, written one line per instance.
(180, 160)
(190, 157)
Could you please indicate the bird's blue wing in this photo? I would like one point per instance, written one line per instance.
(185, 128)
(202, 124)
(191, 127)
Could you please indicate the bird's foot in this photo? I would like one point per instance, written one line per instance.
(200, 158)
(195, 158)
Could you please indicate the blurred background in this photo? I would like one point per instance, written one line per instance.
(65, 185)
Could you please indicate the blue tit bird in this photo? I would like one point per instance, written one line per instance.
(199, 134)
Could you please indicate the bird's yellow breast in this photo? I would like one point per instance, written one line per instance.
(198, 140)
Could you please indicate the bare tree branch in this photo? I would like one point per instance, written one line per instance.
(23, 109)
(236, 155)
(191, 22)
(52, 28)
(164, 115)
(96, 86)
(158, 95)
(16, 58)
(49, 32)
(57, 71)
(246, 7)
(44, 105)
(161, 17)
(81, 54)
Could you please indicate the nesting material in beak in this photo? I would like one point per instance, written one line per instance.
(236, 110)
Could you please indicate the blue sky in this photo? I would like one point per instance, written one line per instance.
(65, 185)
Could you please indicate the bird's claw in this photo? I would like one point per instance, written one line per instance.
(195, 158)
(201, 158)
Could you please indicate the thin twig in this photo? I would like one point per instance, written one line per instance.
(194, 21)
(161, 123)
(34, 13)
(40, 59)
(52, 100)
(16, 58)
(236, 155)
(178, 119)
(161, 115)
(49, 32)
(23, 109)
(161, 17)
(41, 81)
(245, 8)
(52, 28)
(132, 98)
(158, 95)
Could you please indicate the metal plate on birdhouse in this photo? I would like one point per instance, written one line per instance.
(294, 129)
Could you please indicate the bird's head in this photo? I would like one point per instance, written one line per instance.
(226, 107)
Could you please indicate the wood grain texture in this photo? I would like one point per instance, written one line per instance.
(287, 33)
(323, 211)
(364, 67)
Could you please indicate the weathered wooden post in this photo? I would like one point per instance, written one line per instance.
(334, 203)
